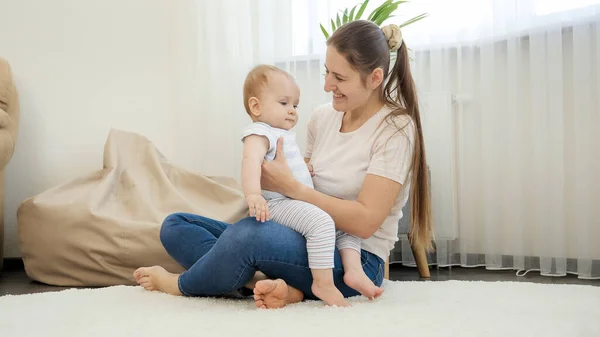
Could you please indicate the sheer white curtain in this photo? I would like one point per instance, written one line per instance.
(510, 102)
(216, 43)
(510, 98)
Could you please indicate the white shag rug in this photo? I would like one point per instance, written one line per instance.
(419, 309)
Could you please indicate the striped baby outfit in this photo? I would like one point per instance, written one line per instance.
(312, 222)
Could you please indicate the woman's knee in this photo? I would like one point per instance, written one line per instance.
(245, 232)
(168, 229)
(249, 234)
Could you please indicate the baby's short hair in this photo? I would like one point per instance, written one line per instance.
(258, 79)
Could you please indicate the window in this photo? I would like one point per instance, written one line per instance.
(545, 7)
(448, 22)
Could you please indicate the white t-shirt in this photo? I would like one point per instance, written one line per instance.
(341, 162)
(291, 152)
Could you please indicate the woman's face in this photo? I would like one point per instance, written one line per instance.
(344, 82)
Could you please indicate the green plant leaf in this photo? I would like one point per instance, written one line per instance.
(385, 14)
(378, 16)
(374, 15)
(351, 18)
(324, 32)
(361, 9)
(413, 20)
(377, 10)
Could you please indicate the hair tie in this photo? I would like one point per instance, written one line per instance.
(393, 36)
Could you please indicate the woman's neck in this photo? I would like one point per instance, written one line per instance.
(354, 119)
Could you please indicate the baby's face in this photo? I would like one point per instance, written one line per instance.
(278, 102)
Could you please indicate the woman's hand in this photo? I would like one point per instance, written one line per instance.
(311, 170)
(276, 175)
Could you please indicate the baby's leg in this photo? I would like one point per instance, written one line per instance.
(319, 230)
(354, 275)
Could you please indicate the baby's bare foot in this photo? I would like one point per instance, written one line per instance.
(329, 294)
(273, 294)
(157, 278)
(359, 281)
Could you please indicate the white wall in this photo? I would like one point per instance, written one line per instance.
(83, 67)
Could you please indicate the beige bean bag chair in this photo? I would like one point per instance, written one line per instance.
(97, 229)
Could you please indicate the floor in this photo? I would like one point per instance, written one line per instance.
(14, 280)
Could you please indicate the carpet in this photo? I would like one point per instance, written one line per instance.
(420, 309)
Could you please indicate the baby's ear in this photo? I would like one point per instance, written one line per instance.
(254, 105)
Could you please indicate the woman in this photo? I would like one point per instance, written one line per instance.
(367, 153)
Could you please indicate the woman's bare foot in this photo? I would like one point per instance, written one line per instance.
(359, 281)
(157, 278)
(273, 294)
(329, 294)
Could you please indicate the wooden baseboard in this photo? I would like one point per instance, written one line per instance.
(386, 273)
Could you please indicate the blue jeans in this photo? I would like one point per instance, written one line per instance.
(220, 258)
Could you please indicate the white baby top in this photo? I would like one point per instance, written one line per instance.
(291, 151)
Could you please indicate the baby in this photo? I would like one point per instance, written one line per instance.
(271, 97)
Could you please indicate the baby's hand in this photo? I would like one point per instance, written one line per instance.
(310, 169)
(257, 206)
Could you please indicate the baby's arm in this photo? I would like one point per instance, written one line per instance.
(255, 148)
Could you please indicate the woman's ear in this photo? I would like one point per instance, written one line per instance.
(376, 78)
(254, 105)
